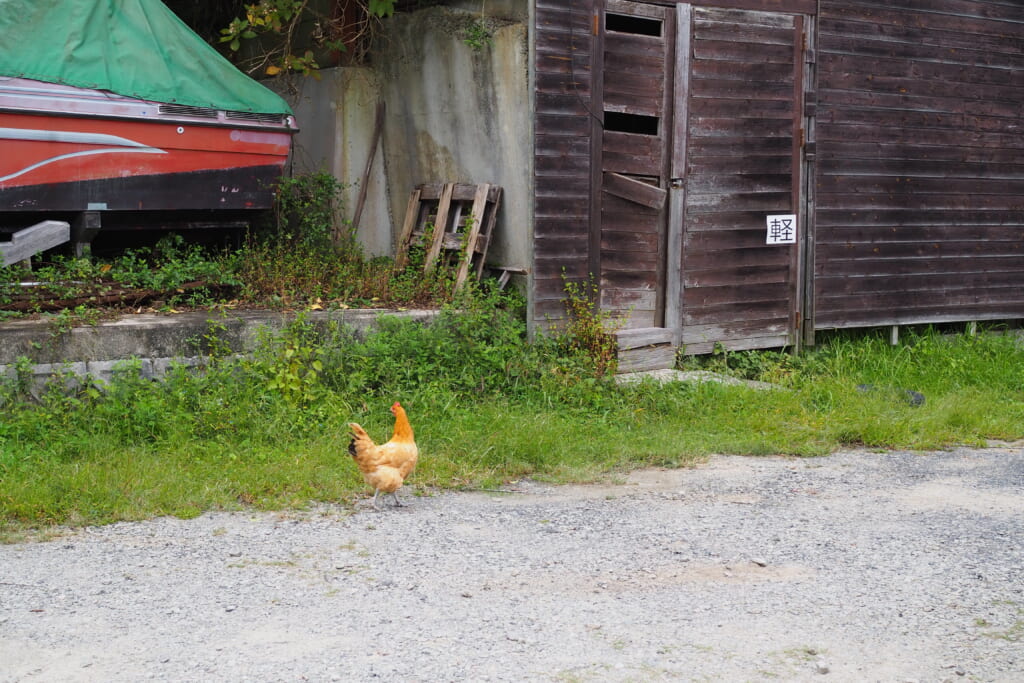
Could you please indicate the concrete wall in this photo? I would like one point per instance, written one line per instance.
(502, 9)
(459, 114)
(336, 116)
(454, 113)
(158, 341)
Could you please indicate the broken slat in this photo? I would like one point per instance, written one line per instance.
(634, 190)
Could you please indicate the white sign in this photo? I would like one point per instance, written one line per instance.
(781, 229)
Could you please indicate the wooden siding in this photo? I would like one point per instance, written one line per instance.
(919, 179)
(915, 198)
(783, 6)
(636, 72)
(562, 153)
(740, 166)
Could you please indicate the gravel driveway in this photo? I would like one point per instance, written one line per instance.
(859, 566)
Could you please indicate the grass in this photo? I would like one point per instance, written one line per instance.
(269, 431)
(487, 407)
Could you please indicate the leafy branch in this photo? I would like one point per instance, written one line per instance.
(279, 27)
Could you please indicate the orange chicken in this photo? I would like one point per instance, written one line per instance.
(386, 466)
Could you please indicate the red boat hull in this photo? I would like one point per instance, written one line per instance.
(80, 150)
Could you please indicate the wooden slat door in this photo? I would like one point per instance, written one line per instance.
(735, 159)
(637, 61)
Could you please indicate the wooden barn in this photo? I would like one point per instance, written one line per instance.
(748, 172)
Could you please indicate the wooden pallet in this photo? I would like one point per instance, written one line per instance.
(465, 214)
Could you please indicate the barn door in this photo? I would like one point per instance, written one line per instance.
(735, 160)
(633, 181)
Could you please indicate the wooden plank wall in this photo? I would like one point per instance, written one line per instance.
(920, 162)
(562, 140)
(739, 168)
(635, 70)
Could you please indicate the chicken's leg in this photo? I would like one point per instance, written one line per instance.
(394, 494)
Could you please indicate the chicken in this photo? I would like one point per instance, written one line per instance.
(386, 466)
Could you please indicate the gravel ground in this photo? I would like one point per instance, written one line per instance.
(859, 566)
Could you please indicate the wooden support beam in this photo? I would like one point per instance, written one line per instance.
(84, 229)
(30, 241)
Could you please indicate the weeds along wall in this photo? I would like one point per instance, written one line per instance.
(456, 93)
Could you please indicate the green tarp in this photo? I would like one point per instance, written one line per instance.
(137, 48)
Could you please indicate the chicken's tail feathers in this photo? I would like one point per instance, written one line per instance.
(359, 437)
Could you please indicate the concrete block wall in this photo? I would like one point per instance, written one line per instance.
(155, 342)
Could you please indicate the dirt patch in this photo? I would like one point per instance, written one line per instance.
(949, 494)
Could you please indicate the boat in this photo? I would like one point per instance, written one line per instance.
(69, 149)
(117, 106)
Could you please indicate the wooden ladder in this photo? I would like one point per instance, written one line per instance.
(453, 224)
